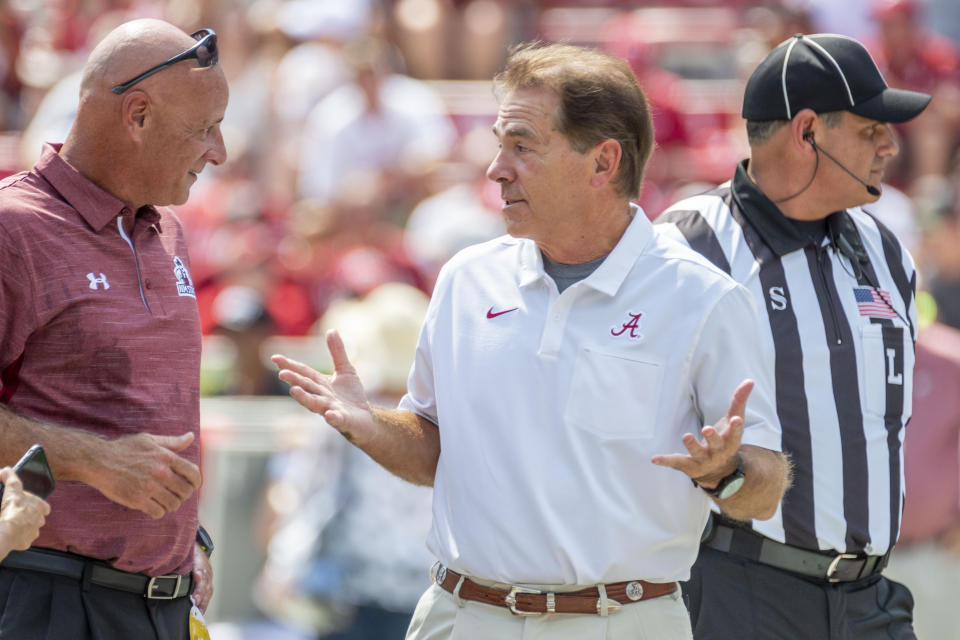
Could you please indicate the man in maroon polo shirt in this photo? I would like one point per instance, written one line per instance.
(100, 344)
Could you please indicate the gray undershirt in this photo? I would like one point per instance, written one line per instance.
(567, 274)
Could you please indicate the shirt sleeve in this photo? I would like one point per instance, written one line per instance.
(421, 396)
(17, 311)
(729, 352)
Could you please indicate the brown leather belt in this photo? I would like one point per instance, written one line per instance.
(526, 601)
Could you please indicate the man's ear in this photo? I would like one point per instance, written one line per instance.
(606, 161)
(803, 130)
(136, 110)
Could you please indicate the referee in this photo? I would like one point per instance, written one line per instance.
(836, 290)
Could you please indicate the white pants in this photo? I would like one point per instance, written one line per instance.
(933, 576)
(437, 617)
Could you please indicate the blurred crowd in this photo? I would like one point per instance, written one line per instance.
(358, 135)
(358, 132)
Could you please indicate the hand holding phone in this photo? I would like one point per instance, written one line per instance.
(34, 472)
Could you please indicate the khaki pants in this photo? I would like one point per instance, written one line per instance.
(437, 617)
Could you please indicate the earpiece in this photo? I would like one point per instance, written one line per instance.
(808, 136)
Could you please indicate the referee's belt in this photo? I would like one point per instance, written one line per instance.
(830, 567)
(82, 568)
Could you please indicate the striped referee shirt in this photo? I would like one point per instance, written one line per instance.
(842, 323)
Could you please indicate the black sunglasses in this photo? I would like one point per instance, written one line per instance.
(205, 51)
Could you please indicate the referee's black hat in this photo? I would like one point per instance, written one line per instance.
(825, 72)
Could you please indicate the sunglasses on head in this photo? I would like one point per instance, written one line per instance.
(205, 52)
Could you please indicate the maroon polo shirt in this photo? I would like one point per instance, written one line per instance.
(99, 332)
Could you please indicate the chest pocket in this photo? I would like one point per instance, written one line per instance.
(886, 376)
(613, 396)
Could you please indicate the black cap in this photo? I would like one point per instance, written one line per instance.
(825, 72)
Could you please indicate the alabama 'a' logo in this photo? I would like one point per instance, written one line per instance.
(630, 328)
(184, 281)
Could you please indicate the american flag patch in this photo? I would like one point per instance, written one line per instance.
(874, 303)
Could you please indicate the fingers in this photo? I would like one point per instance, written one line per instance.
(295, 379)
(175, 443)
(202, 579)
(10, 479)
(738, 404)
(341, 363)
(285, 363)
(314, 402)
(42, 505)
(186, 477)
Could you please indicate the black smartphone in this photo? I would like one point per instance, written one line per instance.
(34, 472)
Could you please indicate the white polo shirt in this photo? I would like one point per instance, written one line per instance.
(550, 407)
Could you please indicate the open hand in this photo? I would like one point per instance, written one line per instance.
(339, 398)
(714, 457)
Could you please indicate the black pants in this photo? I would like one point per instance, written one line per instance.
(735, 599)
(44, 606)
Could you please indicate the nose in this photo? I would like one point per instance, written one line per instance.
(888, 147)
(217, 154)
(498, 171)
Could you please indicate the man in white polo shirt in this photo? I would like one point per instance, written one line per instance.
(561, 374)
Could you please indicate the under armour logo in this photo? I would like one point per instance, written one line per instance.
(95, 282)
(633, 325)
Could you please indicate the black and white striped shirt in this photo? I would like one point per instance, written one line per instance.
(842, 324)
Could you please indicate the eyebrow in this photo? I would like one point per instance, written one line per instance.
(515, 131)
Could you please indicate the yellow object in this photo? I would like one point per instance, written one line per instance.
(198, 626)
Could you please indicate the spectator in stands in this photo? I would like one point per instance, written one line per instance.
(913, 57)
(371, 142)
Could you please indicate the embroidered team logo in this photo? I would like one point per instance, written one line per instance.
(96, 282)
(632, 325)
(184, 282)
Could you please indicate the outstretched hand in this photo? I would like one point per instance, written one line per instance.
(339, 398)
(714, 457)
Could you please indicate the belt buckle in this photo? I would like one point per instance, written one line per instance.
(511, 600)
(153, 585)
(835, 564)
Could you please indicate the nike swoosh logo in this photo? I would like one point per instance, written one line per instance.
(491, 314)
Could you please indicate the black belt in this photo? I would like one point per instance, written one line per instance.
(74, 566)
(830, 567)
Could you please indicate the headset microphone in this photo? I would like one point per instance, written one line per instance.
(872, 190)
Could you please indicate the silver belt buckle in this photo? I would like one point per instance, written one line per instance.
(835, 563)
(152, 585)
(511, 600)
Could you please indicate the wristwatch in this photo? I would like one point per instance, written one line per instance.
(204, 540)
(729, 485)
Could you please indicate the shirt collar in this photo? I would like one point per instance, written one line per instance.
(612, 272)
(774, 228)
(95, 205)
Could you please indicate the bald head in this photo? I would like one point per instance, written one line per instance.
(132, 48)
